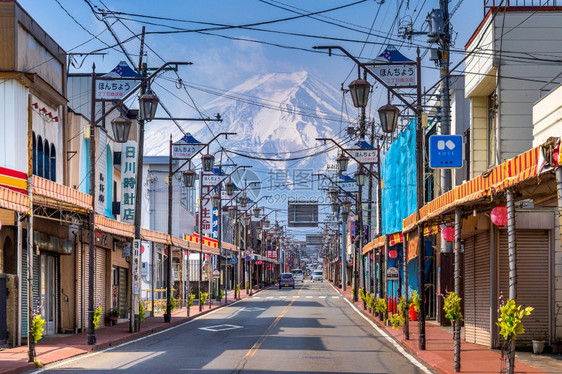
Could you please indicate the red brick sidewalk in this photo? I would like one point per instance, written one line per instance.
(439, 348)
(49, 350)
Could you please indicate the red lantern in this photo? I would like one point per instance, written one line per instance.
(166, 251)
(499, 216)
(393, 253)
(142, 249)
(448, 233)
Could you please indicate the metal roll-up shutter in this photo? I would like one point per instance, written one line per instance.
(122, 291)
(533, 269)
(469, 312)
(477, 289)
(99, 283)
(79, 285)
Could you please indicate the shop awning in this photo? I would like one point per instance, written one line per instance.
(13, 200)
(114, 227)
(229, 247)
(516, 170)
(54, 194)
(374, 244)
(155, 237)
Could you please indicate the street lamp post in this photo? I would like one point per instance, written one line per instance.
(388, 116)
(121, 128)
(208, 166)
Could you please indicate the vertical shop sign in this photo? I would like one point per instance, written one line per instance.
(128, 181)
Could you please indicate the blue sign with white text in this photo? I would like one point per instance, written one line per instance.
(445, 151)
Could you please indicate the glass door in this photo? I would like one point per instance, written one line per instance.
(48, 293)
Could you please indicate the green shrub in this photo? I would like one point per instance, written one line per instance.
(142, 311)
(173, 304)
(381, 307)
(97, 316)
(190, 300)
(37, 328)
(510, 320)
(452, 307)
(397, 320)
(362, 295)
(415, 301)
(203, 297)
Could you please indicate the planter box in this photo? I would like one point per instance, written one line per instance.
(538, 346)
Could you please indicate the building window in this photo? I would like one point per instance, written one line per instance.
(492, 128)
(40, 156)
(53, 163)
(47, 161)
(34, 154)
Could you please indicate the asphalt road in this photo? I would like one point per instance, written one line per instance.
(310, 329)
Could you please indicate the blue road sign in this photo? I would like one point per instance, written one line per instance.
(445, 151)
(248, 258)
(233, 260)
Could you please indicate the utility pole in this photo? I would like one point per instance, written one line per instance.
(444, 42)
(134, 321)
(439, 33)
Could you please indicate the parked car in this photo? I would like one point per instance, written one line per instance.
(286, 280)
(317, 275)
(298, 275)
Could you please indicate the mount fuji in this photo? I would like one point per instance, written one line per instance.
(276, 116)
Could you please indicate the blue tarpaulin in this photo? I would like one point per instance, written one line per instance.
(398, 174)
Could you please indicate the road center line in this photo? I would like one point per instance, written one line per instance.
(264, 336)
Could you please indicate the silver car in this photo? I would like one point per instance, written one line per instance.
(317, 275)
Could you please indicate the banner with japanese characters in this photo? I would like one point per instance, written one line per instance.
(128, 181)
(101, 174)
(207, 211)
(397, 75)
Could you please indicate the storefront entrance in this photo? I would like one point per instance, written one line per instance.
(48, 292)
(119, 290)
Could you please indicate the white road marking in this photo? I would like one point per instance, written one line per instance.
(321, 297)
(220, 328)
(88, 355)
(253, 309)
(391, 340)
(309, 297)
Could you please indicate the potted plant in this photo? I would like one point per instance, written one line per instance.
(381, 308)
(97, 317)
(414, 306)
(452, 309)
(113, 316)
(203, 297)
(538, 344)
(142, 311)
(511, 325)
(190, 303)
(363, 297)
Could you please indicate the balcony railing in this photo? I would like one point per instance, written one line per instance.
(494, 4)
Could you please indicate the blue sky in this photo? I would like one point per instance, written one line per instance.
(223, 59)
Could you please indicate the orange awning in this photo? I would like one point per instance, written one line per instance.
(155, 237)
(58, 193)
(114, 227)
(509, 173)
(13, 200)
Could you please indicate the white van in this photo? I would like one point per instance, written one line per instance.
(298, 275)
